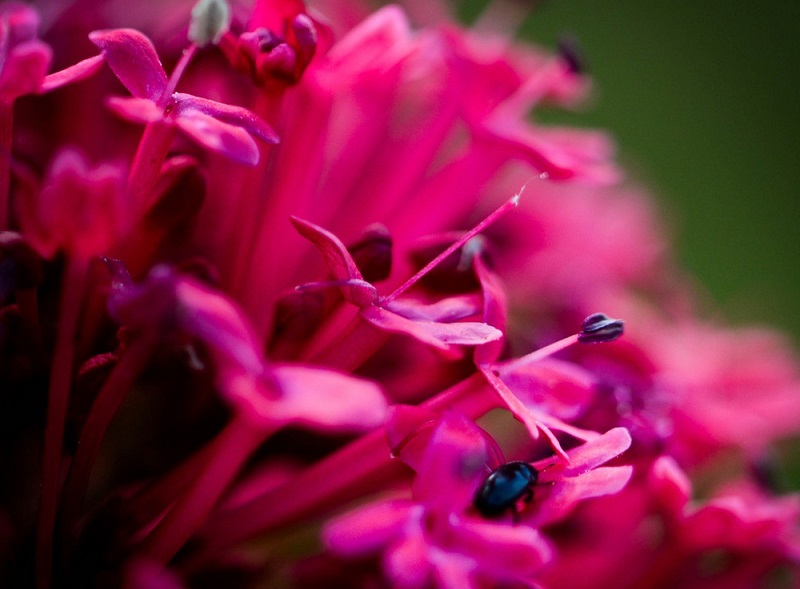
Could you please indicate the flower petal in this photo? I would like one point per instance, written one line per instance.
(24, 69)
(439, 335)
(509, 551)
(596, 452)
(455, 463)
(444, 310)
(324, 399)
(367, 529)
(138, 110)
(232, 115)
(133, 59)
(339, 260)
(74, 73)
(495, 309)
(231, 141)
(566, 493)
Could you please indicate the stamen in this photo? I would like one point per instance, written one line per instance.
(598, 328)
(499, 212)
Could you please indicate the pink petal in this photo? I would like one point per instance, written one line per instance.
(377, 43)
(232, 115)
(444, 310)
(407, 563)
(592, 454)
(566, 493)
(509, 551)
(231, 141)
(521, 412)
(453, 571)
(367, 529)
(20, 22)
(439, 335)
(139, 110)
(324, 399)
(455, 464)
(24, 69)
(495, 309)
(74, 73)
(408, 432)
(670, 484)
(560, 388)
(339, 260)
(133, 59)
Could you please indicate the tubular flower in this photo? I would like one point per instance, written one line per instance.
(343, 328)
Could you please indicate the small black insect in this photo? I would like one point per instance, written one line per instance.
(504, 487)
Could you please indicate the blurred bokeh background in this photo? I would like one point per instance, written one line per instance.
(703, 99)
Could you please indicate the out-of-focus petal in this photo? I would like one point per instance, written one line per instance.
(455, 463)
(509, 551)
(326, 400)
(24, 69)
(367, 529)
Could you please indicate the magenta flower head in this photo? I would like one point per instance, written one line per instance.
(330, 316)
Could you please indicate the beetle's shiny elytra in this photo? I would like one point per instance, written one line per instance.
(504, 487)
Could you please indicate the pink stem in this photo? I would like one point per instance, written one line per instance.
(362, 466)
(499, 212)
(6, 127)
(353, 347)
(150, 157)
(232, 448)
(73, 284)
(105, 407)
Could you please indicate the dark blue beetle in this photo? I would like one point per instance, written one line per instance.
(504, 487)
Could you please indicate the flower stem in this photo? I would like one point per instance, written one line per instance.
(232, 448)
(74, 281)
(106, 404)
(362, 466)
(150, 156)
(6, 126)
(496, 214)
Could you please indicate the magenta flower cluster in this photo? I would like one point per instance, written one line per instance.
(304, 296)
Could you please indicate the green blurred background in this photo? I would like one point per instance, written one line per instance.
(702, 96)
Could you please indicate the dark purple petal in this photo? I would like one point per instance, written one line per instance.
(133, 59)
(229, 140)
(232, 115)
(439, 335)
(139, 110)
